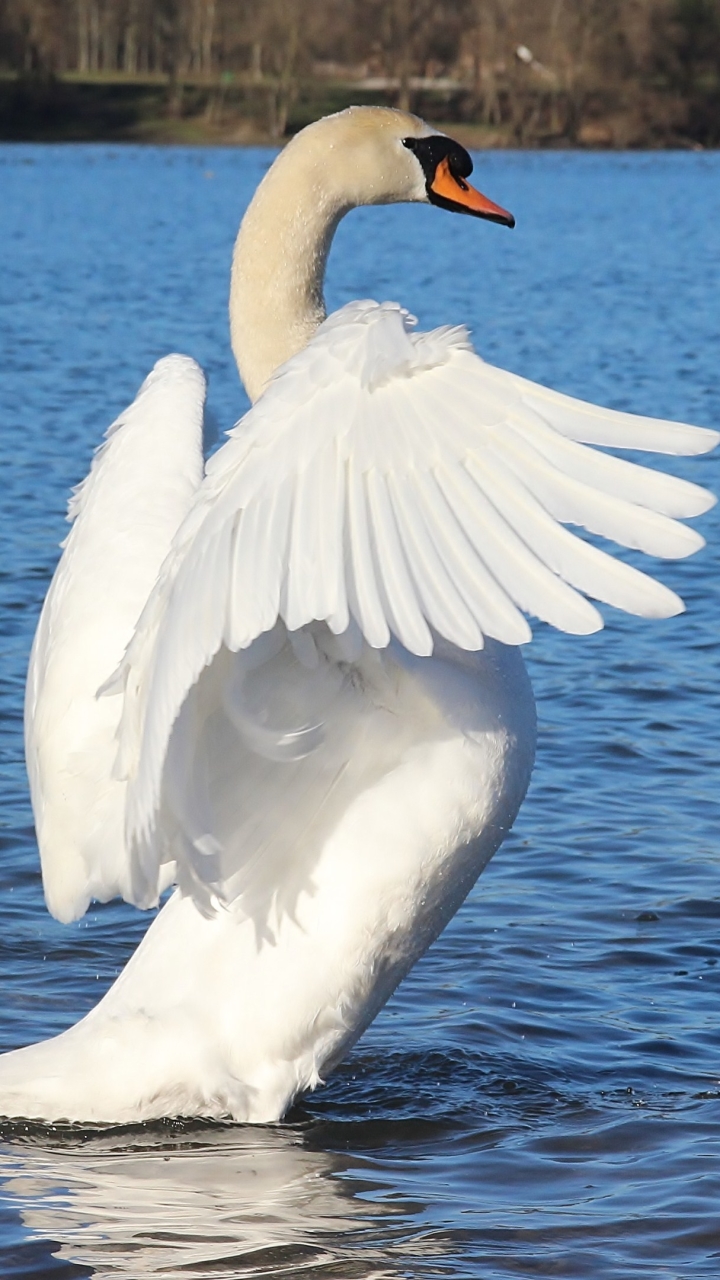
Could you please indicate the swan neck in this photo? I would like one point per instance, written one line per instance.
(276, 292)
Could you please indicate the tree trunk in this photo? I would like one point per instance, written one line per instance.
(487, 98)
(94, 38)
(404, 58)
(256, 70)
(109, 40)
(83, 35)
(130, 45)
(207, 36)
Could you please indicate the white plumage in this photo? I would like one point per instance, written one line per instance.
(125, 515)
(392, 482)
(292, 685)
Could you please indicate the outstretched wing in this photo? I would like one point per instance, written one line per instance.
(125, 515)
(393, 484)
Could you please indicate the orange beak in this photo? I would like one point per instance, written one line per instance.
(458, 192)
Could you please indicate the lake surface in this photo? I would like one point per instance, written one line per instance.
(542, 1095)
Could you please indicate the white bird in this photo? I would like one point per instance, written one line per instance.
(292, 685)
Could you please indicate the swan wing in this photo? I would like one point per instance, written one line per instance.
(392, 484)
(124, 516)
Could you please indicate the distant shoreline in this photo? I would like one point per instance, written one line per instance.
(155, 111)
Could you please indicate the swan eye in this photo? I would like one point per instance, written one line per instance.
(433, 150)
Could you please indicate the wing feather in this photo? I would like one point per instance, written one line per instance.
(492, 608)
(401, 605)
(125, 514)
(526, 579)
(669, 495)
(577, 502)
(303, 586)
(389, 484)
(583, 566)
(259, 565)
(361, 576)
(442, 603)
(591, 424)
(332, 540)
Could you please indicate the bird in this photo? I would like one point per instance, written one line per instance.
(286, 683)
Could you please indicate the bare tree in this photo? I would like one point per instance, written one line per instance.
(536, 68)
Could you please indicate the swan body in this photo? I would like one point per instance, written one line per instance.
(227, 1014)
(290, 683)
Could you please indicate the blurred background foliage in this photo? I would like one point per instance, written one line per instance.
(603, 73)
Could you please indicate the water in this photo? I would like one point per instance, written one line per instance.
(542, 1096)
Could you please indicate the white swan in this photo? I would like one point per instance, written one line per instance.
(314, 717)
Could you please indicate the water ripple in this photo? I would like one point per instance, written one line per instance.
(542, 1095)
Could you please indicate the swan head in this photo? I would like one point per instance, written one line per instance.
(360, 156)
(378, 155)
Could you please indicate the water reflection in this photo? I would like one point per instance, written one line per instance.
(199, 1201)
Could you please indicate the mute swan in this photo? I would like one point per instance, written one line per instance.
(292, 685)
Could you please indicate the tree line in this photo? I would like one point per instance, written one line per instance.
(545, 68)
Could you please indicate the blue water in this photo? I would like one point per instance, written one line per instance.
(542, 1095)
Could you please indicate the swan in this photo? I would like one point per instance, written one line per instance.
(289, 683)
